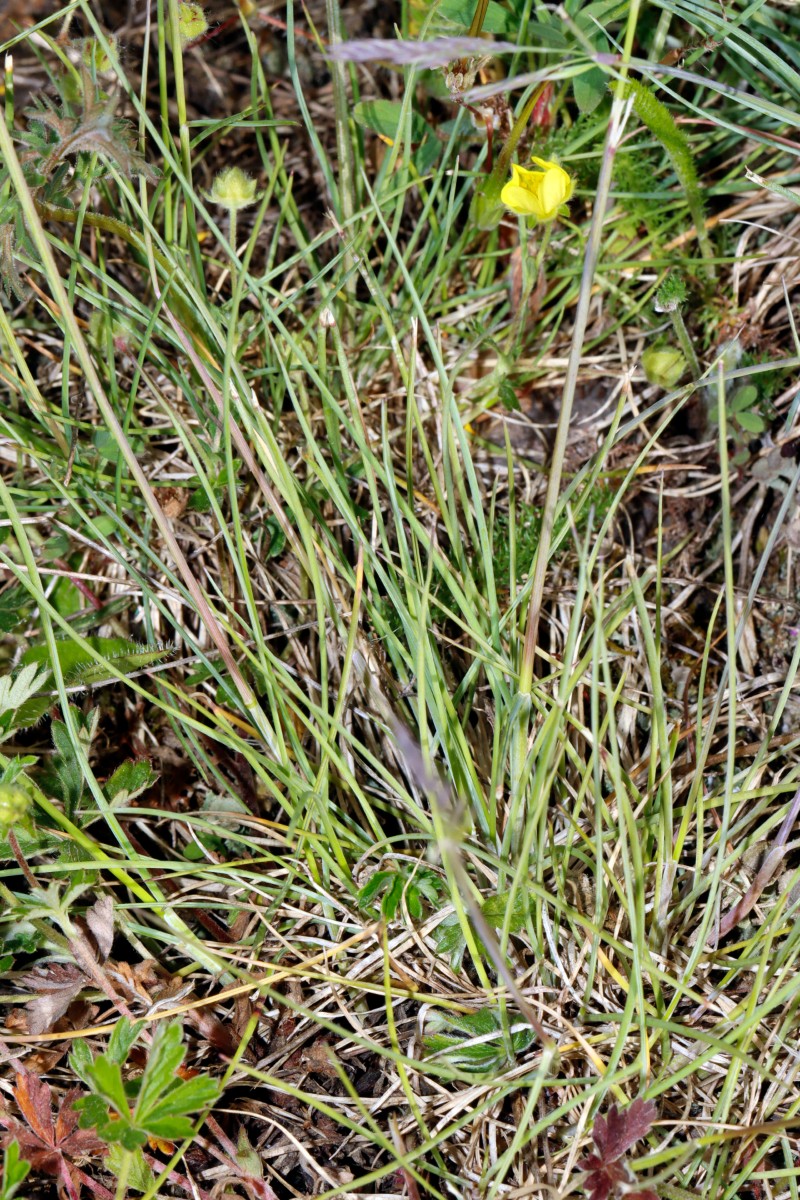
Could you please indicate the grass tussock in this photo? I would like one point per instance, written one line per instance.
(399, 783)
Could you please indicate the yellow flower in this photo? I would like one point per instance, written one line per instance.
(539, 193)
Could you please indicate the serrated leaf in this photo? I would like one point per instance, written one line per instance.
(80, 1060)
(617, 1132)
(129, 781)
(131, 1138)
(93, 1110)
(450, 940)
(166, 1055)
(170, 1129)
(123, 1036)
(67, 766)
(16, 690)
(373, 886)
(106, 1077)
(15, 1170)
(80, 667)
(494, 910)
(189, 1096)
(140, 1175)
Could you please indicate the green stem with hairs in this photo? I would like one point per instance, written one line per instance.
(682, 334)
(661, 123)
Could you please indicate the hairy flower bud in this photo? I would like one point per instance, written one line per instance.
(192, 22)
(232, 189)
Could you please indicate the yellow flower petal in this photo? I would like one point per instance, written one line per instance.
(537, 193)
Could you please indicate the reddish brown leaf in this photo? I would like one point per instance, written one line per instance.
(608, 1174)
(67, 1119)
(34, 1101)
(615, 1134)
(50, 1147)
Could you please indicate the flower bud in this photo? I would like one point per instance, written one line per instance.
(14, 806)
(663, 366)
(233, 189)
(192, 22)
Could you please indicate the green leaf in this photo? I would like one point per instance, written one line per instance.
(386, 118)
(414, 903)
(375, 884)
(497, 19)
(247, 1157)
(170, 1129)
(391, 901)
(166, 1055)
(129, 1137)
(590, 89)
(14, 608)
(93, 1110)
(507, 395)
(453, 1039)
(15, 1169)
(106, 1077)
(17, 691)
(140, 1176)
(277, 538)
(751, 422)
(188, 1096)
(128, 781)
(67, 766)
(494, 909)
(123, 1036)
(80, 1060)
(743, 398)
(450, 940)
(79, 667)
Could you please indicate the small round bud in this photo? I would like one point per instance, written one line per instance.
(192, 22)
(663, 366)
(14, 806)
(232, 189)
(94, 56)
(326, 318)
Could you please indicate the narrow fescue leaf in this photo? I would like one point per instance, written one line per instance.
(436, 53)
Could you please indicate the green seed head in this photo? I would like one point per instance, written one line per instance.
(233, 189)
(671, 294)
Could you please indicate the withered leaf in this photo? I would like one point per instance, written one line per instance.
(56, 985)
(100, 919)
